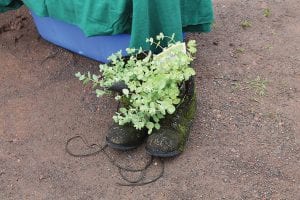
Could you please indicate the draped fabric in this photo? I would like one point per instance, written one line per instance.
(150, 17)
(6, 5)
(140, 18)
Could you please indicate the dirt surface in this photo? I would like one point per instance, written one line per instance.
(245, 143)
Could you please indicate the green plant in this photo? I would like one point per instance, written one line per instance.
(259, 85)
(267, 12)
(246, 24)
(152, 82)
(240, 50)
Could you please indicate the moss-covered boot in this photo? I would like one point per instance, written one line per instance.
(125, 137)
(171, 138)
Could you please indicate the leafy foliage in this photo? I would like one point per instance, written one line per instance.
(246, 24)
(153, 81)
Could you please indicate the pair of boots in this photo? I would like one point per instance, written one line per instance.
(170, 139)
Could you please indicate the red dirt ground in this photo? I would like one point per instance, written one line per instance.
(243, 145)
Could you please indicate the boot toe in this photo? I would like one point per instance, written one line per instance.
(125, 137)
(164, 143)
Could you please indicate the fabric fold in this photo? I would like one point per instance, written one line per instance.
(6, 5)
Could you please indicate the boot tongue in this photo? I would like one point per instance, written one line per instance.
(118, 87)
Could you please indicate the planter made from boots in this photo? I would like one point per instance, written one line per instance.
(171, 138)
(125, 137)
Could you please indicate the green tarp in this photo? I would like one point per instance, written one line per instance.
(141, 18)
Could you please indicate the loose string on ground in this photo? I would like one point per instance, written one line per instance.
(140, 181)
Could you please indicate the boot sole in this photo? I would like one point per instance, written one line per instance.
(163, 154)
(120, 147)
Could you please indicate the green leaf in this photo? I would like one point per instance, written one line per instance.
(155, 118)
(171, 109)
(130, 50)
(188, 73)
(157, 126)
(150, 126)
(160, 36)
(191, 43)
(160, 116)
(82, 77)
(78, 74)
(95, 77)
(125, 92)
(118, 97)
(123, 110)
(86, 81)
(151, 40)
(192, 46)
(173, 36)
(176, 101)
(115, 118)
(100, 92)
